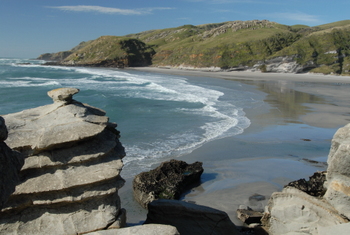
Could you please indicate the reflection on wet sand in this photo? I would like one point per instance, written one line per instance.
(315, 104)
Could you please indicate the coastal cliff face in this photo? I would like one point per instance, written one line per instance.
(108, 51)
(70, 179)
(256, 45)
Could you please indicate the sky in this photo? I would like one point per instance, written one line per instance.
(29, 28)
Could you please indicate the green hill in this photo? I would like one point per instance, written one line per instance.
(110, 51)
(228, 45)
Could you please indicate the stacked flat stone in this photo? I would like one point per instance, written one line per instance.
(71, 176)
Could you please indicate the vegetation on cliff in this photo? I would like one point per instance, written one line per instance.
(110, 51)
(234, 44)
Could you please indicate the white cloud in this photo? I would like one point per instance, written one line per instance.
(109, 10)
(297, 16)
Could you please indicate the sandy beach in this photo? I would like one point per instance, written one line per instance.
(292, 123)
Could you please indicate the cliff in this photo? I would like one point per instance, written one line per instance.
(109, 51)
(256, 45)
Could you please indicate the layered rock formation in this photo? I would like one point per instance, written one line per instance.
(306, 210)
(10, 165)
(71, 176)
(168, 181)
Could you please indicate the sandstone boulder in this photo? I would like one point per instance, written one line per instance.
(190, 218)
(338, 176)
(63, 95)
(168, 181)
(295, 212)
(10, 165)
(70, 179)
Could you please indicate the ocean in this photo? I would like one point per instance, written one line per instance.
(160, 116)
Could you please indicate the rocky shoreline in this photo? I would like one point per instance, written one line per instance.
(71, 176)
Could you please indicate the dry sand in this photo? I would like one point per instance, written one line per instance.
(295, 121)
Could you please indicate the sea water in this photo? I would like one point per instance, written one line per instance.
(160, 116)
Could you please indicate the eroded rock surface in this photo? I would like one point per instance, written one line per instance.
(338, 176)
(168, 181)
(293, 211)
(70, 179)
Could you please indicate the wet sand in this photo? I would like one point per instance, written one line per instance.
(288, 139)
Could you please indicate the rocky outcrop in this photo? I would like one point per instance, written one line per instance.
(280, 64)
(71, 176)
(293, 211)
(338, 176)
(190, 218)
(314, 186)
(309, 208)
(234, 26)
(168, 181)
(10, 165)
(146, 229)
(55, 56)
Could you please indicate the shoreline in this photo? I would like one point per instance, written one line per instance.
(247, 75)
(294, 123)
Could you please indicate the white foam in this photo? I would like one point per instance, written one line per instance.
(218, 118)
(27, 84)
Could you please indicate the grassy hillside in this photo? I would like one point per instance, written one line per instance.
(112, 51)
(323, 49)
(205, 45)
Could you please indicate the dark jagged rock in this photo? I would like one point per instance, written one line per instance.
(314, 186)
(168, 181)
(10, 164)
(190, 218)
(249, 216)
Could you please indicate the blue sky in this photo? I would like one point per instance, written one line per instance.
(29, 28)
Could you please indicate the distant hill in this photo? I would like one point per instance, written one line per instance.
(106, 51)
(234, 45)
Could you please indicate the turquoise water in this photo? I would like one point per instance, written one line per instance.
(160, 116)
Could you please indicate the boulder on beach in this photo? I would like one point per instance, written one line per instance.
(190, 218)
(70, 179)
(168, 181)
(10, 164)
(338, 176)
(293, 211)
